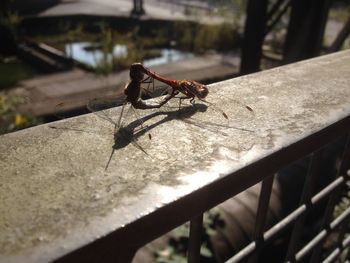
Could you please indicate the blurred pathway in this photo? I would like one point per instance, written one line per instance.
(75, 88)
(155, 9)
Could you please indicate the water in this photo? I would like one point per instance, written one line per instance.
(167, 55)
(82, 52)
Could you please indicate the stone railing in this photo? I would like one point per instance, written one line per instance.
(72, 191)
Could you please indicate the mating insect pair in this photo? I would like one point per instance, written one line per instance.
(139, 76)
(186, 89)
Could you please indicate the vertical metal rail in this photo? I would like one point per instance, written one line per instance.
(333, 198)
(194, 245)
(262, 211)
(306, 196)
(254, 29)
(305, 30)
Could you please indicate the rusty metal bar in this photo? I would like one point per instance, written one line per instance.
(318, 239)
(309, 186)
(194, 245)
(261, 215)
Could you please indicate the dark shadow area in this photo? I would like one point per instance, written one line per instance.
(31, 7)
(130, 133)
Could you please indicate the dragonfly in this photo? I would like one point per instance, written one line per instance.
(139, 77)
(189, 89)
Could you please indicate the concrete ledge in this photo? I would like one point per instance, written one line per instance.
(57, 198)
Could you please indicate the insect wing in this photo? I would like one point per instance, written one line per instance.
(154, 89)
(99, 107)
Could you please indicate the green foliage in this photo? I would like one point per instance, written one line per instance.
(206, 38)
(12, 120)
(13, 72)
(228, 38)
(340, 13)
(177, 248)
(8, 18)
(159, 38)
(185, 35)
(11, 20)
(231, 10)
(199, 38)
(344, 201)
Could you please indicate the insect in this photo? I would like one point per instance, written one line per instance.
(181, 89)
(139, 76)
(189, 89)
(132, 90)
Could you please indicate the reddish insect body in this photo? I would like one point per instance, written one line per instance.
(190, 89)
(133, 89)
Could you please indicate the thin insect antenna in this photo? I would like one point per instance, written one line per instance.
(215, 107)
(244, 106)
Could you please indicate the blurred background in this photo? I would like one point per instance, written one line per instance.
(57, 55)
(66, 52)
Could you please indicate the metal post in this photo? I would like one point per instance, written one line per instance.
(339, 41)
(253, 36)
(138, 8)
(309, 186)
(261, 215)
(306, 28)
(194, 245)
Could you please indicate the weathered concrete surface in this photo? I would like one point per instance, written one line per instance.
(57, 196)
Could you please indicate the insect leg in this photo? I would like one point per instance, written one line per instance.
(118, 123)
